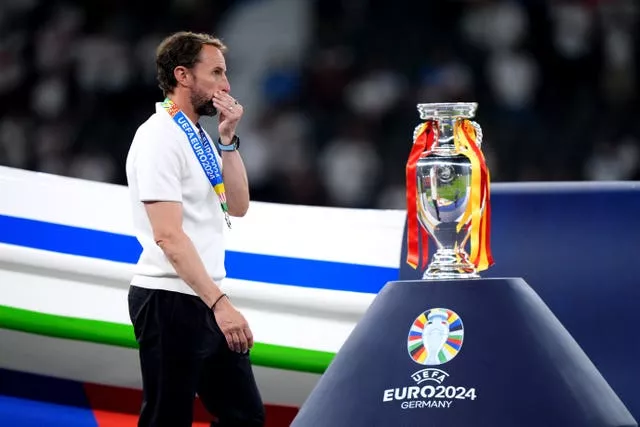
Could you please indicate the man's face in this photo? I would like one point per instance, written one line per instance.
(209, 77)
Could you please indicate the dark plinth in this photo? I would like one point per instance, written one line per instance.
(516, 364)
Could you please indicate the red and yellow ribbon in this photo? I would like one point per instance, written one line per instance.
(423, 143)
(480, 219)
(464, 137)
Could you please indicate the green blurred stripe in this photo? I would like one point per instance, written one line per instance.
(116, 334)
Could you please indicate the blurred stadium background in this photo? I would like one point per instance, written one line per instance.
(330, 87)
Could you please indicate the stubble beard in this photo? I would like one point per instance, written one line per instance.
(202, 105)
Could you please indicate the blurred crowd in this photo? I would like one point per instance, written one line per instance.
(330, 87)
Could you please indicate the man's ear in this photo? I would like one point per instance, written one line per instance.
(182, 75)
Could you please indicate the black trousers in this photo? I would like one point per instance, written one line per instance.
(183, 352)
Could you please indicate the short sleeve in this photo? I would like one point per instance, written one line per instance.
(158, 169)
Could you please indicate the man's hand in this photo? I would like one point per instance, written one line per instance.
(234, 326)
(229, 114)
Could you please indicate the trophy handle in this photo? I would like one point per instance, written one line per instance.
(476, 125)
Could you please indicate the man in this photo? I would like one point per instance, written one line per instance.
(191, 338)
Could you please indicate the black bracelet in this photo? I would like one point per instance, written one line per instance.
(219, 298)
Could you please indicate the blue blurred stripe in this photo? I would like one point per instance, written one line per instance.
(69, 240)
(30, 413)
(244, 266)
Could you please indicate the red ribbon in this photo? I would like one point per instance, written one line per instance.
(423, 143)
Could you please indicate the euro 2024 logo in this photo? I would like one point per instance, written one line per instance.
(435, 337)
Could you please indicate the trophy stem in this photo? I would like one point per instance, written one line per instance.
(450, 264)
(445, 135)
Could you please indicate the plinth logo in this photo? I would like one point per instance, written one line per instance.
(435, 337)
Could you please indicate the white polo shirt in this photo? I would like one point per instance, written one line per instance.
(161, 166)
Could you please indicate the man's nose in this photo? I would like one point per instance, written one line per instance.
(226, 87)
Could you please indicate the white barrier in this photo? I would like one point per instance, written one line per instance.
(48, 266)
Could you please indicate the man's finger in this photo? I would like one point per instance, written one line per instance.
(249, 335)
(237, 345)
(227, 107)
(225, 101)
(220, 106)
(229, 339)
(229, 98)
(244, 342)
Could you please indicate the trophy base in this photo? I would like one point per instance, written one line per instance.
(450, 264)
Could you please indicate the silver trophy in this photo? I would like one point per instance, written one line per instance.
(445, 190)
